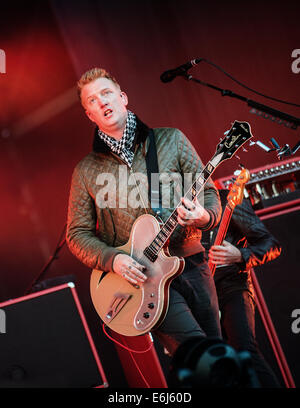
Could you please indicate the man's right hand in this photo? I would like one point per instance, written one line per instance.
(225, 254)
(129, 269)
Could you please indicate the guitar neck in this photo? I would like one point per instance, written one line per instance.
(223, 225)
(223, 228)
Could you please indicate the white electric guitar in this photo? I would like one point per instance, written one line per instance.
(134, 310)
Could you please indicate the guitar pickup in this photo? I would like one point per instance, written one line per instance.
(117, 304)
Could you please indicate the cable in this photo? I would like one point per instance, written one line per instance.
(131, 351)
(247, 87)
(124, 347)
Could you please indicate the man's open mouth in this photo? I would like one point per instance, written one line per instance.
(107, 112)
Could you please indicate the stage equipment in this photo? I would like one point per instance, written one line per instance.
(264, 111)
(211, 363)
(277, 286)
(47, 342)
(169, 75)
(271, 185)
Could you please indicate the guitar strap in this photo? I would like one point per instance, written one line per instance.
(154, 191)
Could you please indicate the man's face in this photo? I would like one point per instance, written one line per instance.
(105, 105)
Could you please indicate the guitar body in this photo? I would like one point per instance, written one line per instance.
(129, 310)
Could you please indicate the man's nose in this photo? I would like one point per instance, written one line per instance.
(102, 101)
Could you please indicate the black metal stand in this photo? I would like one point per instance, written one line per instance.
(294, 121)
(48, 263)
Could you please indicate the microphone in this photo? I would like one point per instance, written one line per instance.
(169, 75)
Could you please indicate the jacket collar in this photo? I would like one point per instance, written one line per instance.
(142, 132)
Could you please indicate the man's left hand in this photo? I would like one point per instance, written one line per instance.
(192, 213)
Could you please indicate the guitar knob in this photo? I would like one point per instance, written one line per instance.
(146, 315)
(151, 305)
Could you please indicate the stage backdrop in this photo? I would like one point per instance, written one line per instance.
(44, 132)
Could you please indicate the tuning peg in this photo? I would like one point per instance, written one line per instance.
(226, 133)
(244, 150)
(263, 146)
(274, 143)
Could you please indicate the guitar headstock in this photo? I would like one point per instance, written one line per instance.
(239, 134)
(236, 193)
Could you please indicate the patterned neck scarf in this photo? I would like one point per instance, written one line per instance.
(123, 146)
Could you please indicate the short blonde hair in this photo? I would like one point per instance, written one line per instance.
(91, 75)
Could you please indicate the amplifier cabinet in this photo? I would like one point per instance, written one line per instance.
(270, 185)
(279, 281)
(45, 342)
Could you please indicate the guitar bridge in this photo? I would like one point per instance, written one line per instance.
(117, 304)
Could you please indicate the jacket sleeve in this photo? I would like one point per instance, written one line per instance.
(190, 162)
(81, 227)
(262, 246)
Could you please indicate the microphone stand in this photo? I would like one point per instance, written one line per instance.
(286, 150)
(58, 247)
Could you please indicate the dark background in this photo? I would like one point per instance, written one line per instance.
(44, 132)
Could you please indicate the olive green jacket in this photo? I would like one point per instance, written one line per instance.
(105, 197)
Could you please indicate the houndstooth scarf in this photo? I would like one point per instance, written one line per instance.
(123, 146)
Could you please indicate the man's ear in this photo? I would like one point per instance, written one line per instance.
(89, 115)
(124, 98)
